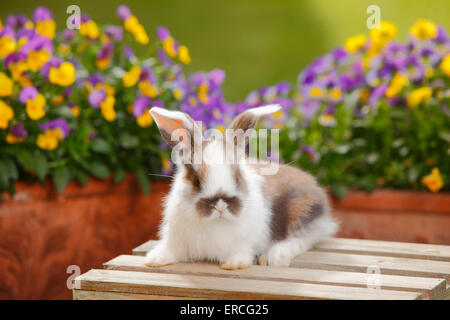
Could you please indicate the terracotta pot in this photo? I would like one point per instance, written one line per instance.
(42, 233)
(393, 215)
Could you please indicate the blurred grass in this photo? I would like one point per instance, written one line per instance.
(256, 42)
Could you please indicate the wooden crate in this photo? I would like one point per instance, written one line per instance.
(334, 269)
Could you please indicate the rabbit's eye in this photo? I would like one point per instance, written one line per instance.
(196, 183)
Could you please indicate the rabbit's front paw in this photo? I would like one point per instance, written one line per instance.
(237, 262)
(159, 257)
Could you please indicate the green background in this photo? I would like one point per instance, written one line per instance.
(257, 43)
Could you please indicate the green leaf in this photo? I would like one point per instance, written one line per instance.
(81, 176)
(143, 180)
(128, 141)
(41, 164)
(11, 168)
(26, 159)
(61, 177)
(119, 175)
(4, 176)
(339, 190)
(101, 146)
(99, 170)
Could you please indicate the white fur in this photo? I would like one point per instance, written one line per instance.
(185, 235)
(265, 110)
(176, 115)
(232, 240)
(281, 253)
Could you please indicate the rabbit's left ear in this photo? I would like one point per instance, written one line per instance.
(175, 126)
(247, 119)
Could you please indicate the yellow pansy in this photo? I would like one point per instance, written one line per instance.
(335, 93)
(46, 28)
(6, 85)
(144, 120)
(103, 63)
(7, 46)
(36, 59)
(278, 114)
(10, 138)
(316, 92)
(49, 139)
(107, 108)
(183, 55)
(147, 89)
(35, 107)
(177, 93)
(140, 35)
(131, 77)
(133, 26)
(168, 46)
(75, 111)
(355, 43)
(18, 68)
(383, 33)
(445, 65)
(433, 181)
(398, 82)
(203, 93)
(424, 29)
(64, 75)
(6, 114)
(418, 96)
(89, 29)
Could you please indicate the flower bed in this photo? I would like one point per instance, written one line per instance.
(74, 104)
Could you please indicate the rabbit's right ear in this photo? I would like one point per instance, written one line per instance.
(175, 126)
(247, 119)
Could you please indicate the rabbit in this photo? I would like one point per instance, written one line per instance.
(230, 213)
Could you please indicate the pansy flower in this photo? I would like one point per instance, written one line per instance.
(54, 131)
(17, 133)
(34, 101)
(45, 25)
(132, 25)
(6, 114)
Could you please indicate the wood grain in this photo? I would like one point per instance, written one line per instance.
(433, 288)
(386, 248)
(219, 288)
(360, 263)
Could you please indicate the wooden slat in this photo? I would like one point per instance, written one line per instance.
(433, 288)
(365, 247)
(104, 295)
(385, 248)
(144, 248)
(177, 285)
(360, 263)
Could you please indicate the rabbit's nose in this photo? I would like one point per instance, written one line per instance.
(221, 206)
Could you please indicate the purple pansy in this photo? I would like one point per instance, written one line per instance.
(42, 14)
(96, 97)
(59, 123)
(27, 93)
(18, 130)
(140, 105)
(123, 12)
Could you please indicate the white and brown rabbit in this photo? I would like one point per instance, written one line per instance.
(229, 212)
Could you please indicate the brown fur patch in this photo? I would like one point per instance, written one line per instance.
(244, 121)
(205, 205)
(241, 185)
(296, 199)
